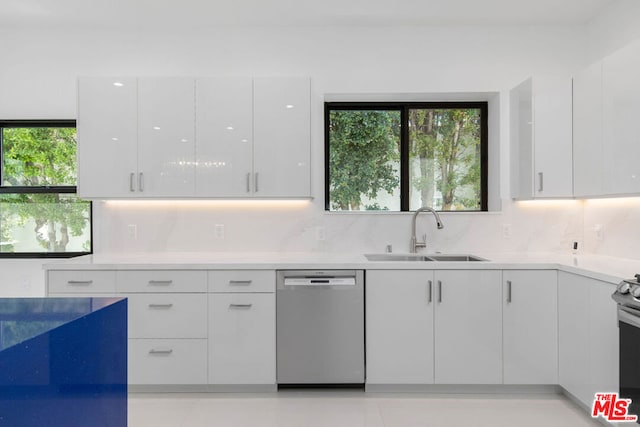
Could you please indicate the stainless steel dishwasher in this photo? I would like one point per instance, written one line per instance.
(320, 327)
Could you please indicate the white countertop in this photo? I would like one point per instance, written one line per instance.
(610, 269)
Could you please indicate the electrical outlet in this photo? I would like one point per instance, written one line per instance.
(599, 230)
(132, 231)
(219, 231)
(506, 231)
(320, 233)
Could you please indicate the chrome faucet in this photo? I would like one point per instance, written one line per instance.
(414, 244)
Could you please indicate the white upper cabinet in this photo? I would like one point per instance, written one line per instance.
(621, 109)
(107, 136)
(224, 135)
(166, 162)
(181, 137)
(541, 139)
(281, 137)
(606, 144)
(588, 149)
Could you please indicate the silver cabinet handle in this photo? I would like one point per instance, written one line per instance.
(80, 282)
(540, 181)
(248, 182)
(240, 305)
(509, 291)
(430, 291)
(132, 178)
(240, 282)
(160, 351)
(160, 305)
(439, 290)
(160, 282)
(255, 182)
(141, 181)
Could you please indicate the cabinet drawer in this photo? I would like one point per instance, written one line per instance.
(242, 281)
(162, 281)
(81, 282)
(166, 361)
(167, 316)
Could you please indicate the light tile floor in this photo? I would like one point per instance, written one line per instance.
(353, 409)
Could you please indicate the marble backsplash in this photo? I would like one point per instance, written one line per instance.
(605, 227)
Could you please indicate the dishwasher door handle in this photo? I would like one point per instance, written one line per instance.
(320, 281)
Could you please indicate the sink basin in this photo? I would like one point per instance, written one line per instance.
(423, 258)
(464, 257)
(397, 257)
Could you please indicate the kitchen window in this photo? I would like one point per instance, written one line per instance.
(402, 156)
(40, 214)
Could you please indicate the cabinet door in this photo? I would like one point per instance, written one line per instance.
(621, 98)
(107, 136)
(573, 333)
(468, 327)
(399, 319)
(553, 149)
(541, 138)
(224, 136)
(282, 137)
(588, 150)
(242, 339)
(167, 137)
(521, 112)
(530, 327)
(589, 340)
(604, 342)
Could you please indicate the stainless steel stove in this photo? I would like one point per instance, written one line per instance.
(627, 295)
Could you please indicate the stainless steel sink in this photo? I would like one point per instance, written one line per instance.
(397, 257)
(427, 257)
(464, 257)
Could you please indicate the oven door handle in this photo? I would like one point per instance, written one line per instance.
(629, 316)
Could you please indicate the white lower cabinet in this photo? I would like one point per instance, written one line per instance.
(242, 338)
(167, 361)
(588, 337)
(468, 327)
(89, 282)
(189, 327)
(530, 326)
(167, 316)
(442, 327)
(218, 328)
(399, 326)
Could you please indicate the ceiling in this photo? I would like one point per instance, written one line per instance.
(209, 13)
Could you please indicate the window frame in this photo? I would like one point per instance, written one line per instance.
(403, 108)
(52, 189)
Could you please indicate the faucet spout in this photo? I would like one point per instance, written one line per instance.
(414, 244)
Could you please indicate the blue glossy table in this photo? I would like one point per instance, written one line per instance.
(63, 362)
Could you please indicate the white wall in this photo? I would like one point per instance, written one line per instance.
(614, 27)
(21, 278)
(38, 81)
